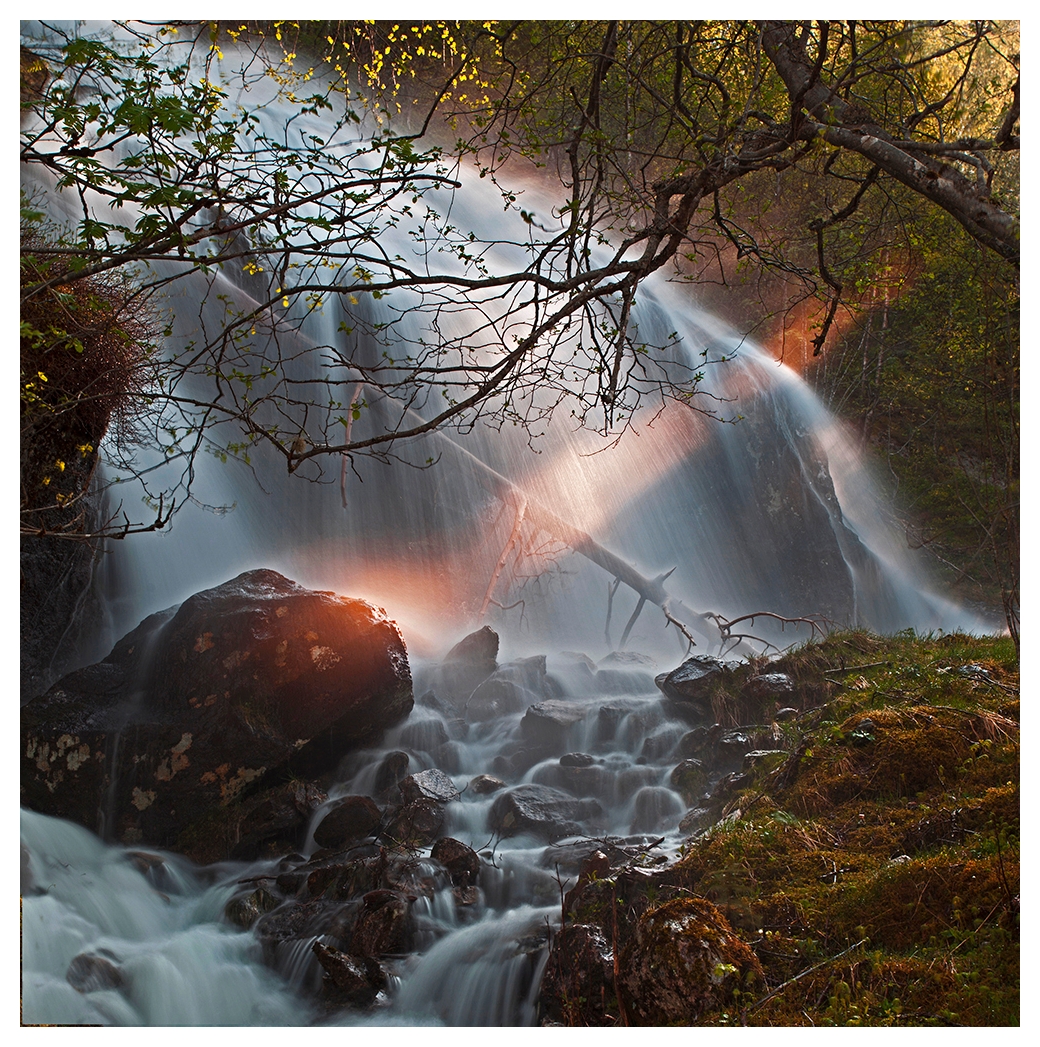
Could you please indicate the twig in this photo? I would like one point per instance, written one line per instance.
(854, 668)
(809, 970)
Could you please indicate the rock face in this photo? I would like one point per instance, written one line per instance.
(254, 676)
(694, 681)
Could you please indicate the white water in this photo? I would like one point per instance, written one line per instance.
(678, 491)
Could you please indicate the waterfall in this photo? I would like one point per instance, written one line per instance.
(769, 507)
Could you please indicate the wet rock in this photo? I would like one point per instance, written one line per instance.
(768, 685)
(462, 862)
(579, 975)
(764, 759)
(660, 745)
(689, 779)
(484, 784)
(353, 981)
(213, 696)
(422, 735)
(392, 768)
(548, 723)
(541, 811)
(277, 820)
(351, 818)
(383, 925)
(416, 823)
(518, 760)
(496, 697)
(696, 820)
(429, 785)
(731, 747)
(628, 680)
(682, 962)
(787, 713)
(656, 809)
(471, 661)
(697, 742)
(695, 681)
(577, 760)
(89, 972)
(632, 779)
(245, 911)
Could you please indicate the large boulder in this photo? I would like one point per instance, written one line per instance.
(240, 684)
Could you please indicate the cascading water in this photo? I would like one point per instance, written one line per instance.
(775, 512)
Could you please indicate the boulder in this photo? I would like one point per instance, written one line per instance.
(768, 685)
(429, 785)
(462, 862)
(689, 779)
(471, 661)
(548, 724)
(416, 823)
(383, 925)
(352, 981)
(484, 784)
(542, 811)
(347, 820)
(89, 972)
(245, 681)
(682, 962)
(511, 688)
(695, 681)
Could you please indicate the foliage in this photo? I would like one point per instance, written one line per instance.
(654, 129)
(85, 361)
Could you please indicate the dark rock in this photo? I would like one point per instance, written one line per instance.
(520, 760)
(578, 976)
(695, 742)
(768, 685)
(484, 784)
(246, 910)
(577, 760)
(540, 811)
(660, 745)
(471, 661)
(430, 785)
(462, 862)
(416, 823)
(731, 747)
(656, 809)
(353, 980)
(548, 723)
(696, 680)
(683, 961)
(513, 687)
(695, 820)
(787, 713)
(277, 819)
(422, 735)
(351, 818)
(383, 925)
(198, 703)
(91, 973)
(689, 779)
(479, 648)
(392, 768)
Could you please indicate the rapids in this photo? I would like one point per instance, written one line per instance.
(773, 509)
